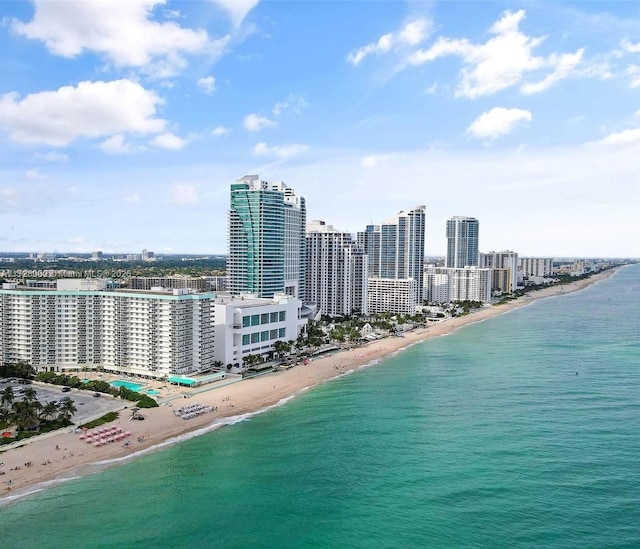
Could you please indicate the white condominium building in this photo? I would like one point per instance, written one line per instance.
(501, 261)
(248, 325)
(536, 266)
(392, 295)
(395, 248)
(336, 280)
(466, 284)
(152, 334)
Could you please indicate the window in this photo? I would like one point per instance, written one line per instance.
(273, 334)
(255, 320)
(246, 321)
(264, 318)
(283, 316)
(282, 333)
(255, 337)
(274, 317)
(246, 339)
(264, 336)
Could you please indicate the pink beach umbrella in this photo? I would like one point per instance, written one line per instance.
(81, 437)
(96, 444)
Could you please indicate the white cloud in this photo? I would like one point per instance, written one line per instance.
(184, 193)
(221, 130)
(120, 30)
(296, 103)
(208, 84)
(279, 151)
(255, 123)
(626, 137)
(91, 109)
(373, 161)
(498, 121)
(415, 32)
(411, 34)
(502, 61)
(169, 141)
(35, 174)
(116, 145)
(565, 64)
(630, 47)
(634, 72)
(237, 9)
(53, 156)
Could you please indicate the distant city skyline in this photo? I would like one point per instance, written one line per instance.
(492, 110)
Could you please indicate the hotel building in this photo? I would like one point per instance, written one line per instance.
(266, 239)
(84, 325)
(248, 325)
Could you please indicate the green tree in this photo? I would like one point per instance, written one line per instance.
(66, 411)
(7, 397)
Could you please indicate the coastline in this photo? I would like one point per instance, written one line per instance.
(64, 456)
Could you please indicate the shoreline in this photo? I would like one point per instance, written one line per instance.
(64, 456)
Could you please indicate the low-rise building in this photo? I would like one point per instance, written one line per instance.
(248, 325)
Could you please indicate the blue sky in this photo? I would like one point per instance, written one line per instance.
(122, 124)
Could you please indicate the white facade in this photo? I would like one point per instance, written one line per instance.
(336, 280)
(536, 266)
(506, 260)
(467, 284)
(395, 248)
(153, 334)
(436, 287)
(249, 325)
(392, 295)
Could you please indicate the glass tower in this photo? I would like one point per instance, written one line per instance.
(462, 242)
(266, 239)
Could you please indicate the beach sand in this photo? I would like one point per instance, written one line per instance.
(63, 455)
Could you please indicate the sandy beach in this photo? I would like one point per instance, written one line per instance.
(64, 455)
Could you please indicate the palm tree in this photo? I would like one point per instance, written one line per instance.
(49, 411)
(24, 416)
(67, 409)
(29, 395)
(7, 397)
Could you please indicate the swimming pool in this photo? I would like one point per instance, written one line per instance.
(152, 392)
(128, 384)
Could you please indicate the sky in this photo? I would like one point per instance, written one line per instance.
(124, 123)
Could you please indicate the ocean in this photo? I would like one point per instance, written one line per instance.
(519, 431)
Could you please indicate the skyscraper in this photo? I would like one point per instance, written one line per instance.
(266, 239)
(336, 271)
(462, 242)
(396, 248)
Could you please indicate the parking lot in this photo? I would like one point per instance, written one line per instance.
(88, 406)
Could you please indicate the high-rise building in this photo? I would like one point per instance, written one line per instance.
(395, 248)
(462, 242)
(82, 324)
(445, 284)
(336, 280)
(266, 239)
(505, 269)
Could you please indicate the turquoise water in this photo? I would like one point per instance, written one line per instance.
(483, 438)
(152, 392)
(128, 384)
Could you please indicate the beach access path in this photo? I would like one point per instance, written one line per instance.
(65, 455)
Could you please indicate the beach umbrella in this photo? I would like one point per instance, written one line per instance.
(81, 437)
